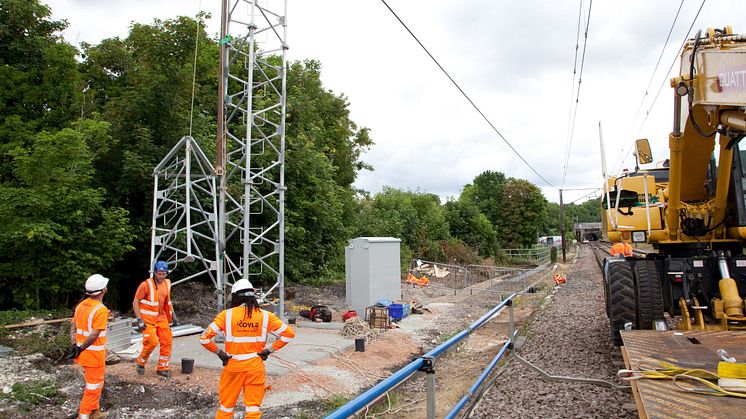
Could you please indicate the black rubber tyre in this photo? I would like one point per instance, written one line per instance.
(647, 294)
(621, 298)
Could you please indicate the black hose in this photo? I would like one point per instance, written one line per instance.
(691, 91)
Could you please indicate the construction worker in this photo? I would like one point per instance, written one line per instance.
(155, 317)
(245, 325)
(88, 336)
(621, 249)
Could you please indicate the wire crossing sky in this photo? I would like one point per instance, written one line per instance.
(512, 59)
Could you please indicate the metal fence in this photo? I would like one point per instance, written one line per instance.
(439, 274)
(503, 279)
(426, 364)
(537, 254)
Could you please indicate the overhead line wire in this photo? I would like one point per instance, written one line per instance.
(676, 57)
(574, 74)
(577, 97)
(652, 76)
(586, 195)
(467, 97)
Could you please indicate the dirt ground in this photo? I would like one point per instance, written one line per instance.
(302, 393)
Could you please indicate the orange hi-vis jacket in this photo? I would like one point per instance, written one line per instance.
(91, 314)
(621, 248)
(246, 336)
(149, 305)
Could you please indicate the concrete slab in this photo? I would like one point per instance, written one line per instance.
(309, 346)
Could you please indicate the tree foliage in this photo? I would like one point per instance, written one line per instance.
(56, 230)
(79, 139)
(524, 211)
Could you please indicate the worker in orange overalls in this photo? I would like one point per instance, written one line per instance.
(88, 335)
(155, 316)
(246, 326)
(621, 249)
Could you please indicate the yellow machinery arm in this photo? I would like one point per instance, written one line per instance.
(692, 209)
(713, 82)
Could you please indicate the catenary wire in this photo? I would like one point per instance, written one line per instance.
(505, 140)
(572, 86)
(650, 82)
(586, 195)
(577, 96)
(694, 21)
(660, 56)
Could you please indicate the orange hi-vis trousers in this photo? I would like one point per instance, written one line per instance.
(231, 383)
(151, 337)
(94, 384)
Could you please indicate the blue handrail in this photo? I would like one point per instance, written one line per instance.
(354, 405)
(460, 405)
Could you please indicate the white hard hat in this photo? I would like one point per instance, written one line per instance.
(95, 284)
(240, 285)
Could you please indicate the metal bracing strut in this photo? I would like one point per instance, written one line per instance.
(245, 203)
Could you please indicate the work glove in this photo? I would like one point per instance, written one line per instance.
(224, 357)
(73, 352)
(174, 322)
(141, 325)
(264, 354)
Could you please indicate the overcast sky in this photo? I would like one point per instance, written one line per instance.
(514, 59)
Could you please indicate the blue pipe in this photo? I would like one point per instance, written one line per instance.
(359, 402)
(477, 324)
(460, 405)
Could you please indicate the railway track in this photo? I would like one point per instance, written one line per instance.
(570, 336)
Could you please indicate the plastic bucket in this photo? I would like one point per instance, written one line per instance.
(360, 345)
(187, 365)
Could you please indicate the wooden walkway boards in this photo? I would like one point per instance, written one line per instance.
(691, 349)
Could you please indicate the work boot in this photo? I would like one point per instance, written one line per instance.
(164, 373)
(96, 414)
(140, 369)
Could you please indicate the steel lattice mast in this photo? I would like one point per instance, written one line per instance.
(251, 141)
(231, 217)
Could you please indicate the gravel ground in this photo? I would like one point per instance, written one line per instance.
(568, 336)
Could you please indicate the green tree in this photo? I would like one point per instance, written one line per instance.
(486, 192)
(56, 229)
(39, 79)
(523, 214)
(471, 226)
(414, 217)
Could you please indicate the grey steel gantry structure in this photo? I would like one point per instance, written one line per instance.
(230, 217)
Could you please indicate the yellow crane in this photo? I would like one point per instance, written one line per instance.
(691, 207)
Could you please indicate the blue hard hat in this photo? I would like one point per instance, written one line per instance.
(160, 266)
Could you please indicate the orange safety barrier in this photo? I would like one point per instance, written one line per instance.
(417, 281)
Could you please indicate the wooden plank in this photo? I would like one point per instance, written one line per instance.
(36, 323)
(687, 349)
(635, 391)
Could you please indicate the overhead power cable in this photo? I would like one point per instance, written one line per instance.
(624, 156)
(586, 195)
(574, 75)
(650, 82)
(660, 56)
(577, 96)
(505, 140)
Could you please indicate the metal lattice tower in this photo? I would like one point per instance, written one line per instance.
(184, 210)
(244, 206)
